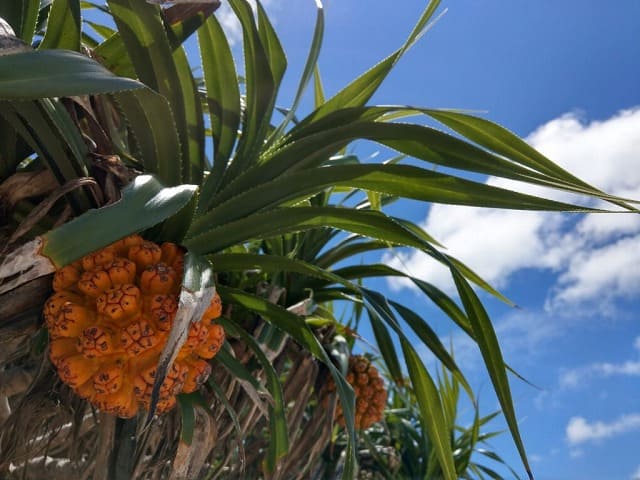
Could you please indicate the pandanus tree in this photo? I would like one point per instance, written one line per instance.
(152, 194)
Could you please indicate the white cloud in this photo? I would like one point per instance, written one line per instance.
(605, 273)
(230, 22)
(535, 458)
(598, 152)
(576, 453)
(636, 343)
(579, 430)
(635, 475)
(575, 377)
(571, 378)
(595, 264)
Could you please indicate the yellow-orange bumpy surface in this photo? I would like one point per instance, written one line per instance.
(368, 386)
(109, 318)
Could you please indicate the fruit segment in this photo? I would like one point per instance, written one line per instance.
(368, 386)
(109, 318)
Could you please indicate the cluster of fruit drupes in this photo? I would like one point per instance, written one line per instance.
(108, 321)
(368, 386)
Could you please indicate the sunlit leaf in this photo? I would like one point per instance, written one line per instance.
(63, 26)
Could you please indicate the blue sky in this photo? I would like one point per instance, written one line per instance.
(565, 75)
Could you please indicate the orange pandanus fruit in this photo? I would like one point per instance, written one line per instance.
(368, 386)
(109, 319)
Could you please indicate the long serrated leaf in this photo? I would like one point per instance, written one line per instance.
(492, 473)
(113, 51)
(275, 222)
(271, 263)
(193, 152)
(68, 131)
(22, 16)
(433, 146)
(313, 144)
(421, 142)
(432, 341)
(279, 443)
(467, 442)
(260, 92)
(275, 263)
(56, 73)
(151, 122)
(408, 181)
(353, 245)
(272, 46)
(432, 415)
(364, 271)
(310, 69)
(379, 307)
(494, 456)
(302, 148)
(498, 139)
(490, 349)
(142, 30)
(46, 127)
(318, 89)
(362, 89)
(402, 180)
(240, 372)
(187, 417)
(478, 280)
(294, 326)
(115, 57)
(63, 27)
(233, 415)
(100, 29)
(446, 304)
(386, 346)
(223, 99)
(144, 203)
(443, 301)
(84, 4)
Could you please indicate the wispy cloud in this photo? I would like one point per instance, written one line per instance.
(635, 475)
(535, 458)
(603, 273)
(575, 377)
(590, 254)
(576, 453)
(230, 22)
(579, 430)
